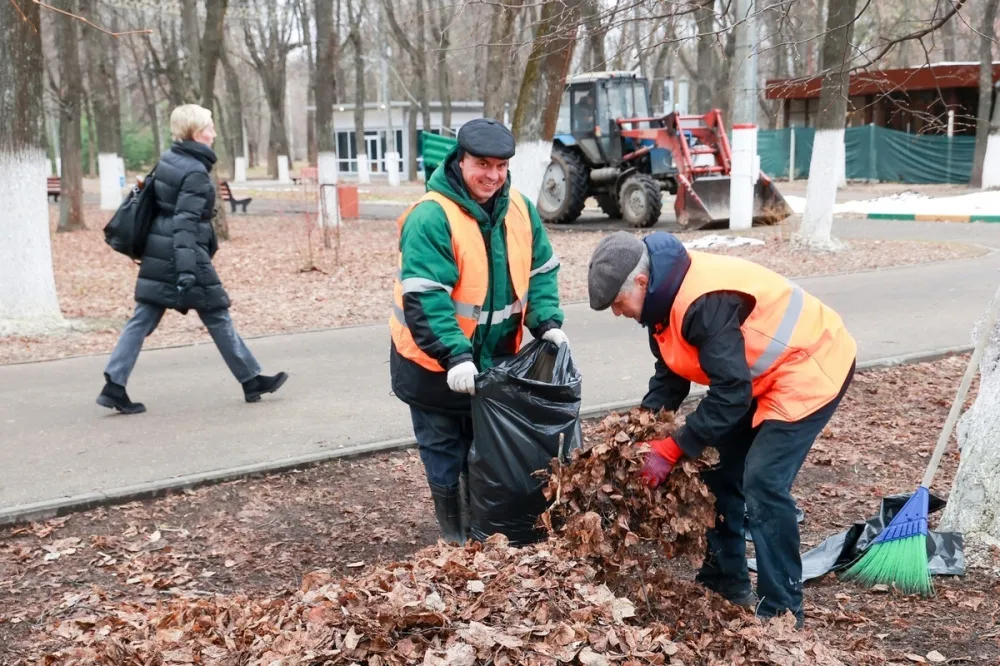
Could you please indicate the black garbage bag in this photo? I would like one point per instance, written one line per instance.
(520, 409)
(945, 550)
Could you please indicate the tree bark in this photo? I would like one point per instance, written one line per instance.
(88, 105)
(411, 132)
(325, 81)
(975, 494)
(27, 285)
(542, 88)
(705, 22)
(70, 111)
(824, 172)
(211, 47)
(441, 35)
(596, 35)
(269, 44)
(416, 48)
(304, 12)
(985, 91)
(354, 37)
(499, 58)
(102, 53)
(192, 50)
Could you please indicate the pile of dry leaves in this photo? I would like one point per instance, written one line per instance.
(588, 595)
(600, 506)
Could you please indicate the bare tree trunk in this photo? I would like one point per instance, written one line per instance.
(70, 109)
(985, 91)
(824, 172)
(499, 58)
(101, 51)
(705, 22)
(211, 47)
(27, 285)
(354, 37)
(416, 48)
(947, 35)
(441, 34)
(234, 108)
(596, 35)
(325, 82)
(88, 104)
(411, 131)
(192, 48)
(542, 88)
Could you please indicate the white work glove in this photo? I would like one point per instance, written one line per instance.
(556, 337)
(462, 378)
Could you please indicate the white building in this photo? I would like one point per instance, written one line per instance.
(376, 130)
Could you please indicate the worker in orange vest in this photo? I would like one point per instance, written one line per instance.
(475, 269)
(776, 361)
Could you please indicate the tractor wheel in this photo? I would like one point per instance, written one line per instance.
(609, 204)
(640, 201)
(564, 188)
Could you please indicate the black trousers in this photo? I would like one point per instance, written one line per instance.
(754, 478)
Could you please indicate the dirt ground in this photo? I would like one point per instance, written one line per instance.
(260, 537)
(282, 279)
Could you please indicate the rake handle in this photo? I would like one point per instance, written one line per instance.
(963, 390)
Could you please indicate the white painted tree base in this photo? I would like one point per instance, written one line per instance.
(326, 173)
(991, 165)
(364, 173)
(816, 231)
(28, 301)
(527, 167)
(974, 502)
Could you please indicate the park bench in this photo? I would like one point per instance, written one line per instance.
(227, 195)
(54, 184)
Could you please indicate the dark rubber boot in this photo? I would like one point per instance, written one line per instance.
(113, 396)
(448, 513)
(261, 384)
(465, 505)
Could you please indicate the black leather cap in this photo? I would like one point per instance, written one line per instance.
(485, 137)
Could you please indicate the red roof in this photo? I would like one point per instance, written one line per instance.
(939, 75)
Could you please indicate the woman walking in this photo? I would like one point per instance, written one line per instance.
(176, 271)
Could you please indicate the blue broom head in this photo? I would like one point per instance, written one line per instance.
(910, 521)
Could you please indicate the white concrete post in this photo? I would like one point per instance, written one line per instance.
(110, 178)
(241, 170)
(327, 174)
(364, 172)
(392, 168)
(283, 176)
(791, 155)
(741, 178)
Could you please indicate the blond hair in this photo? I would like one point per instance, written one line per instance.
(187, 119)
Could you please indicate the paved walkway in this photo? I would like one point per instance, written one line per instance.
(57, 443)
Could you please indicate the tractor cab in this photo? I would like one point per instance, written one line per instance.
(590, 106)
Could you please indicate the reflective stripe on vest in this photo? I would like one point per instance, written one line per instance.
(797, 348)
(470, 292)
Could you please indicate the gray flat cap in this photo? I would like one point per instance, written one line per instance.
(614, 258)
(485, 137)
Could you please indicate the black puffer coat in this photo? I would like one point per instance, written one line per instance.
(182, 239)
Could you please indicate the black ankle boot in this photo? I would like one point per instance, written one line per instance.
(261, 384)
(465, 506)
(113, 396)
(448, 513)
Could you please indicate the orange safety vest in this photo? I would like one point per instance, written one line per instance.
(798, 349)
(469, 293)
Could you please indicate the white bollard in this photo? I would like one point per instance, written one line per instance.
(59, 167)
(108, 166)
(392, 168)
(283, 176)
(364, 172)
(241, 170)
(326, 174)
(742, 176)
(51, 167)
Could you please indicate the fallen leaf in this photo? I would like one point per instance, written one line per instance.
(936, 657)
(916, 658)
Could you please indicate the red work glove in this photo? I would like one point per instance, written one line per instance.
(660, 461)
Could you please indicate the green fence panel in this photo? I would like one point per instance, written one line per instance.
(774, 148)
(434, 148)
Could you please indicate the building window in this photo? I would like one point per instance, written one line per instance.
(798, 113)
(347, 152)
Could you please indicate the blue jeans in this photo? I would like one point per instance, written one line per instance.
(444, 441)
(147, 317)
(754, 478)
